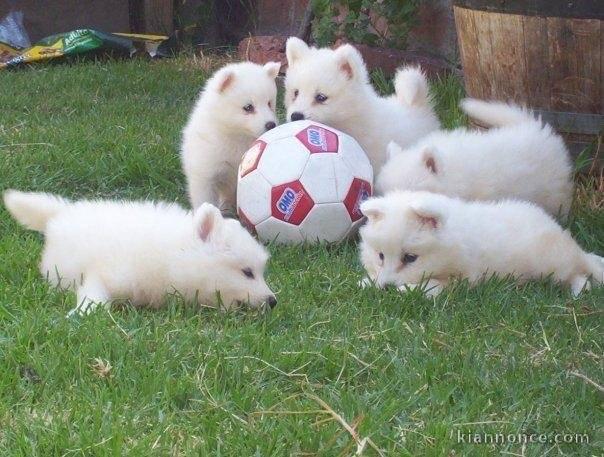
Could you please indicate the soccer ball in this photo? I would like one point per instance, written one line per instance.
(303, 181)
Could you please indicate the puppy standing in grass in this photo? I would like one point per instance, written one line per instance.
(522, 158)
(141, 251)
(236, 106)
(415, 236)
(332, 87)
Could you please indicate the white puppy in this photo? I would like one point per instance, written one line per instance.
(412, 236)
(236, 106)
(522, 159)
(332, 87)
(141, 251)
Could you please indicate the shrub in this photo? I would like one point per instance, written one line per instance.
(376, 23)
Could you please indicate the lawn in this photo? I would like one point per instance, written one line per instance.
(408, 373)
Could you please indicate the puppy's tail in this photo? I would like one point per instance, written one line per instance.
(496, 114)
(595, 263)
(411, 87)
(33, 209)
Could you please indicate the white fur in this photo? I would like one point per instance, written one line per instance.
(219, 131)
(353, 106)
(411, 87)
(495, 114)
(141, 251)
(523, 159)
(453, 238)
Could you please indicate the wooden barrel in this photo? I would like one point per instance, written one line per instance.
(545, 54)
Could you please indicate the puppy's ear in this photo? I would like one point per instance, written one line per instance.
(393, 149)
(224, 79)
(429, 160)
(207, 220)
(272, 69)
(350, 62)
(373, 209)
(429, 214)
(294, 49)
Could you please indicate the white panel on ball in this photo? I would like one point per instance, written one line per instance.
(283, 160)
(326, 222)
(275, 230)
(251, 197)
(356, 158)
(343, 175)
(319, 178)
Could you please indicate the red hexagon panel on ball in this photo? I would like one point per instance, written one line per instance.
(290, 202)
(360, 190)
(251, 158)
(318, 139)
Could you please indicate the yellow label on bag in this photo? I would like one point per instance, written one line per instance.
(139, 36)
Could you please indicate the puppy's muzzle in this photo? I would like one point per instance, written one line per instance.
(272, 301)
(297, 116)
(270, 125)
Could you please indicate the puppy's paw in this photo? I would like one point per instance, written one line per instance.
(407, 288)
(430, 289)
(579, 284)
(365, 282)
(76, 312)
(84, 308)
(433, 291)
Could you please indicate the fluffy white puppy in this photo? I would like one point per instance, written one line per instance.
(332, 87)
(415, 236)
(522, 159)
(236, 106)
(141, 251)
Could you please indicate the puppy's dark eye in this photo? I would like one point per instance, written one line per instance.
(381, 255)
(270, 105)
(249, 108)
(248, 273)
(296, 92)
(408, 258)
(320, 98)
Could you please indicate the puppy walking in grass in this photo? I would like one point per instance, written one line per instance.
(141, 251)
(236, 106)
(332, 87)
(521, 158)
(415, 236)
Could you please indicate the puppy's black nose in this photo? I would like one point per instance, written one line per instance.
(297, 116)
(270, 125)
(272, 301)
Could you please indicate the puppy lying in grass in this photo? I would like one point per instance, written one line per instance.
(332, 87)
(414, 237)
(236, 106)
(522, 158)
(141, 251)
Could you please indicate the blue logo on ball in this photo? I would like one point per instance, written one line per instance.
(363, 195)
(288, 201)
(316, 137)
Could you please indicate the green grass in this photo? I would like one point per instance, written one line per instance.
(406, 371)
